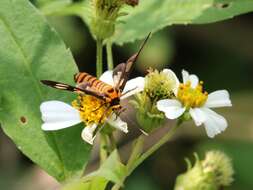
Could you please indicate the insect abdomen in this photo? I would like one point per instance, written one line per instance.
(93, 82)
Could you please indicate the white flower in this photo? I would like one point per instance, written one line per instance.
(59, 115)
(190, 97)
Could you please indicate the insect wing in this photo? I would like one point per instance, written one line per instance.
(119, 75)
(122, 71)
(84, 88)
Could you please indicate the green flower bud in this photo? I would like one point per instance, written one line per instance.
(102, 28)
(158, 85)
(148, 117)
(105, 14)
(212, 173)
(220, 164)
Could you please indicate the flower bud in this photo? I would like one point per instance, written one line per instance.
(158, 85)
(105, 14)
(148, 117)
(220, 164)
(212, 173)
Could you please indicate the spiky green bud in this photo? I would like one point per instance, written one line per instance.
(158, 85)
(147, 115)
(105, 14)
(220, 164)
(212, 173)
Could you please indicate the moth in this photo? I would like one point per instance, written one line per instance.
(90, 85)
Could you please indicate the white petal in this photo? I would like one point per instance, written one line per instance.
(172, 108)
(133, 86)
(58, 115)
(214, 123)
(186, 76)
(107, 77)
(219, 98)
(172, 76)
(194, 81)
(192, 78)
(87, 133)
(116, 122)
(198, 116)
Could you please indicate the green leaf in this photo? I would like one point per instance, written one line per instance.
(159, 14)
(112, 170)
(31, 50)
(65, 8)
(153, 15)
(96, 183)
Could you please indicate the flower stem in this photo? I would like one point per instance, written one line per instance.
(103, 151)
(137, 150)
(99, 61)
(109, 55)
(112, 141)
(154, 148)
(135, 161)
(99, 69)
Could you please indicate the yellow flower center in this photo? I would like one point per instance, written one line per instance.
(192, 97)
(92, 110)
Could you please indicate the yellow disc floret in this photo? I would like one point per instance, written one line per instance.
(192, 97)
(92, 110)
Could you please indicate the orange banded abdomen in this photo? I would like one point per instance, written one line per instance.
(93, 82)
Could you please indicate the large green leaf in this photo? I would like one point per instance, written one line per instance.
(29, 51)
(153, 15)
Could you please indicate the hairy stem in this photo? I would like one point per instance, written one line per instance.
(99, 61)
(133, 163)
(99, 69)
(103, 147)
(112, 142)
(137, 150)
(109, 55)
(155, 147)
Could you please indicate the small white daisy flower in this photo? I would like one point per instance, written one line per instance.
(59, 115)
(190, 97)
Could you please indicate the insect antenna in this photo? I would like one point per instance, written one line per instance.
(128, 91)
(136, 55)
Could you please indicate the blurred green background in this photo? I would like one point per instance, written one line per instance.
(221, 54)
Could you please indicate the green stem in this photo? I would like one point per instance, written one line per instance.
(103, 146)
(99, 61)
(134, 163)
(155, 147)
(112, 142)
(109, 55)
(99, 69)
(137, 150)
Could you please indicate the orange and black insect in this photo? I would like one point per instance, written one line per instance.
(90, 85)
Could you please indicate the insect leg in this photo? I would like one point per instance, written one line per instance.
(128, 91)
(99, 128)
(99, 107)
(119, 112)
